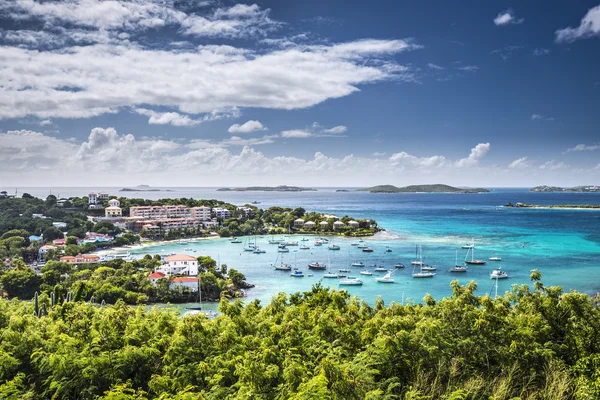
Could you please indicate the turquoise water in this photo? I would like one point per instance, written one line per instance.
(563, 244)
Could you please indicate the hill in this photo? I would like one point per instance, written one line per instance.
(580, 189)
(436, 188)
(282, 188)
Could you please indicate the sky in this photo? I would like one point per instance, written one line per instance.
(312, 92)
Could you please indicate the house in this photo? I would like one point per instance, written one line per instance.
(190, 282)
(323, 225)
(154, 277)
(92, 198)
(298, 223)
(179, 264)
(42, 216)
(113, 210)
(309, 225)
(246, 212)
(102, 196)
(43, 251)
(353, 224)
(60, 242)
(81, 259)
(60, 225)
(337, 225)
(61, 202)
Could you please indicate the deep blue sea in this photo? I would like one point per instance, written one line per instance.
(563, 244)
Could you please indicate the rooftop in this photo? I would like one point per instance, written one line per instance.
(186, 279)
(180, 257)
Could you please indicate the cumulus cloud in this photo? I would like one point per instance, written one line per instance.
(477, 153)
(296, 134)
(584, 147)
(247, 127)
(507, 17)
(167, 118)
(313, 131)
(540, 117)
(435, 66)
(520, 163)
(553, 165)
(588, 27)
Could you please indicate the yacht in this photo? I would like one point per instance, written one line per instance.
(498, 274)
(388, 250)
(258, 250)
(304, 247)
(385, 279)
(367, 250)
(318, 243)
(399, 265)
(304, 239)
(361, 246)
(421, 273)
(187, 249)
(344, 270)
(351, 282)
(358, 264)
(428, 268)
(283, 250)
(282, 266)
(236, 241)
(330, 275)
(458, 268)
(473, 261)
(469, 245)
(381, 269)
(324, 240)
(366, 272)
(316, 265)
(333, 247)
(354, 244)
(275, 241)
(290, 243)
(296, 273)
(492, 258)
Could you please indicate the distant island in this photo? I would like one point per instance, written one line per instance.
(342, 190)
(282, 188)
(556, 206)
(437, 188)
(144, 188)
(579, 189)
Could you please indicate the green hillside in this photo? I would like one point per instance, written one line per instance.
(436, 188)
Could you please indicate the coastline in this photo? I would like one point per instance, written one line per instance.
(558, 207)
(150, 243)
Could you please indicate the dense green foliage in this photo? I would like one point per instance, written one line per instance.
(321, 344)
(437, 188)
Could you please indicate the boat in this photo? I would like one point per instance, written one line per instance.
(318, 243)
(304, 239)
(417, 261)
(492, 258)
(333, 247)
(358, 264)
(275, 241)
(343, 270)
(290, 243)
(283, 250)
(249, 247)
(351, 282)
(367, 250)
(296, 273)
(342, 276)
(398, 266)
(388, 250)
(498, 274)
(330, 275)
(324, 239)
(354, 244)
(236, 241)
(428, 268)
(421, 273)
(381, 269)
(366, 272)
(361, 246)
(258, 250)
(469, 245)
(304, 247)
(187, 249)
(387, 278)
(316, 265)
(458, 268)
(473, 261)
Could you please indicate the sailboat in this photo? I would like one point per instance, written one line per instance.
(427, 267)
(492, 258)
(421, 273)
(249, 246)
(282, 266)
(417, 261)
(458, 268)
(386, 279)
(333, 246)
(469, 245)
(473, 261)
(330, 274)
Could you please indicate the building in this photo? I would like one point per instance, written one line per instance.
(221, 212)
(42, 252)
(324, 225)
(337, 225)
(93, 237)
(179, 264)
(298, 223)
(353, 224)
(202, 213)
(185, 282)
(60, 225)
(160, 212)
(81, 259)
(41, 216)
(92, 198)
(102, 196)
(60, 242)
(165, 225)
(309, 225)
(113, 210)
(246, 212)
(154, 277)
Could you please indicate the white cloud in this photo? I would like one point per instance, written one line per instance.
(589, 27)
(435, 66)
(247, 127)
(540, 117)
(507, 17)
(315, 130)
(541, 52)
(507, 51)
(520, 163)
(238, 141)
(167, 118)
(379, 154)
(477, 153)
(584, 147)
(336, 129)
(110, 77)
(296, 134)
(553, 165)
(469, 68)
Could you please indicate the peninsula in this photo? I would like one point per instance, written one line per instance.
(282, 188)
(556, 206)
(144, 188)
(436, 188)
(577, 189)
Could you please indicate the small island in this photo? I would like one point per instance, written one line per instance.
(555, 206)
(436, 188)
(282, 188)
(144, 188)
(575, 189)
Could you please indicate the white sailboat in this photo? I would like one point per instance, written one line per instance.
(458, 268)
(498, 273)
(492, 258)
(282, 266)
(417, 260)
(421, 273)
(385, 279)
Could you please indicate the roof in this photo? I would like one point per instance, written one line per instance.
(180, 257)
(353, 222)
(309, 223)
(323, 223)
(299, 220)
(156, 275)
(47, 247)
(186, 279)
(338, 223)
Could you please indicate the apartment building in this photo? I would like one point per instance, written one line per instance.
(221, 212)
(160, 212)
(202, 213)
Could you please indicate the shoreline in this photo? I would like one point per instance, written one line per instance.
(568, 208)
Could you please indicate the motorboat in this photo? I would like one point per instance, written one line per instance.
(398, 266)
(388, 250)
(235, 241)
(291, 243)
(333, 247)
(387, 278)
(344, 270)
(498, 274)
(258, 250)
(318, 243)
(361, 246)
(381, 269)
(304, 239)
(358, 264)
(469, 245)
(354, 244)
(316, 265)
(296, 273)
(304, 247)
(428, 268)
(283, 250)
(187, 249)
(275, 241)
(330, 275)
(324, 239)
(366, 272)
(351, 282)
(367, 250)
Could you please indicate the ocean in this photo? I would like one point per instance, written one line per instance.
(563, 244)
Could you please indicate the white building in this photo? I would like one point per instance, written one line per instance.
(298, 223)
(179, 264)
(113, 210)
(202, 213)
(154, 277)
(337, 225)
(60, 225)
(246, 212)
(309, 225)
(353, 224)
(323, 225)
(92, 198)
(102, 196)
(160, 212)
(221, 212)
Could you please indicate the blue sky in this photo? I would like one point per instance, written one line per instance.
(210, 93)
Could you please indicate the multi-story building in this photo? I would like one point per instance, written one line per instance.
(160, 212)
(202, 213)
(166, 225)
(246, 212)
(179, 264)
(102, 196)
(221, 212)
(81, 259)
(92, 198)
(43, 251)
(185, 282)
(113, 210)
